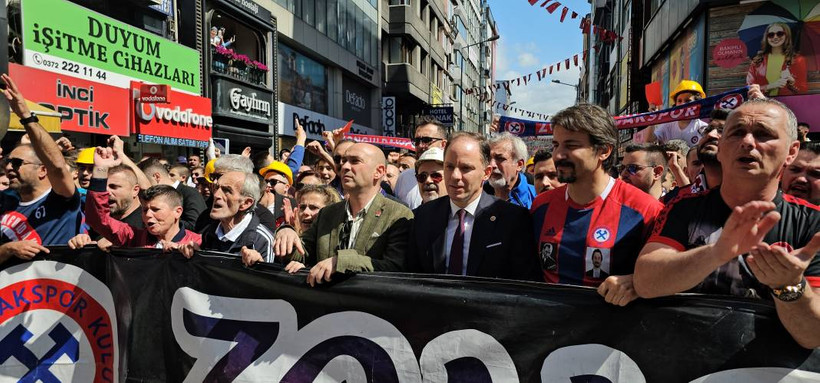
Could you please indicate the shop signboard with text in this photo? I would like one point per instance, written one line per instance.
(235, 100)
(87, 107)
(66, 38)
(356, 102)
(313, 123)
(185, 121)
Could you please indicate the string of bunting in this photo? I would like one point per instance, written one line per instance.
(541, 116)
(586, 25)
(540, 75)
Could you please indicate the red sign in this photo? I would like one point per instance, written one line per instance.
(88, 107)
(396, 142)
(152, 93)
(543, 128)
(187, 121)
(729, 53)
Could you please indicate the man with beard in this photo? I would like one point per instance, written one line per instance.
(545, 175)
(643, 167)
(469, 232)
(593, 210)
(507, 181)
(43, 206)
(707, 150)
(802, 178)
(123, 196)
(760, 243)
(429, 174)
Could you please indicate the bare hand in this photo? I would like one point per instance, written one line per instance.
(187, 250)
(246, 152)
(299, 130)
(286, 240)
(618, 290)
(104, 245)
(116, 143)
(287, 209)
(25, 140)
(745, 227)
(24, 249)
(80, 241)
(294, 266)
(250, 256)
(322, 271)
(673, 159)
(15, 98)
(328, 136)
(106, 158)
(755, 92)
(315, 147)
(64, 144)
(775, 267)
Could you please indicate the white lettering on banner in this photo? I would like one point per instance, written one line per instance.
(240, 101)
(177, 115)
(260, 340)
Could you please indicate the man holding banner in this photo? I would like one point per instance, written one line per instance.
(748, 240)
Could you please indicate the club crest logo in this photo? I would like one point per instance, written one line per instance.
(601, 234)
(57, 324)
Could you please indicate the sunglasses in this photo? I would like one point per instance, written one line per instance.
(16, 163)
(337, 159)
(425, 140)
(632, 169)
(773, 34)
(215, 177)
(273, 182)
(436, 177)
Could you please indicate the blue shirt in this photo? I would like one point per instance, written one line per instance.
(51, 219)
(294, 162)
(523, 193)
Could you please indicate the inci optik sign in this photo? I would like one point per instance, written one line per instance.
(235, 100)
(65, 38)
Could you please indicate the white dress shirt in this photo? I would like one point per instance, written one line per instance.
(357, 220)
(407, 189)
(452, 227)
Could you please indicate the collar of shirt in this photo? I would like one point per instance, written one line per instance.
(603, 195)
(234, 233)
(362, 212)
(35, 200)
(471, 208)
(175, 184)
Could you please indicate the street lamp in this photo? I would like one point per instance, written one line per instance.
(577, 95)
(461, 81)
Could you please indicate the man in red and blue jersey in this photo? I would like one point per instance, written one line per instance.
(595, 222)
(747, 238)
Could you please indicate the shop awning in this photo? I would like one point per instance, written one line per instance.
(49, 119)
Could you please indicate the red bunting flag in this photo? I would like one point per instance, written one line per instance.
(564, 13)
(346, 128)
(552, 7)
(532, 2)
(574, 15)
(550, 69)
(575, 60)
(567, 63)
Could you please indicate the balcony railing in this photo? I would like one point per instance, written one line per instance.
(240, 67)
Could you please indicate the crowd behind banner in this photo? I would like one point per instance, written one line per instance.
(653, 223)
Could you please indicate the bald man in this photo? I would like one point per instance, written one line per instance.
(365, 232)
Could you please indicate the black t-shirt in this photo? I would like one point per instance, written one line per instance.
(134, 219)
(695, 220)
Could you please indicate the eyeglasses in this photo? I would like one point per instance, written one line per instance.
(215, 177)
(425, 140)
(436, 177)
(773, 34)
(632, 169)
(273, 182)
(16, 163)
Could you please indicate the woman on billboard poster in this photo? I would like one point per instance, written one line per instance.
(777, 68)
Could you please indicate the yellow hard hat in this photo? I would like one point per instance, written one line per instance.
(280, 168)
(530, 161)
(86, 157)
(688, 86)
(209, 168)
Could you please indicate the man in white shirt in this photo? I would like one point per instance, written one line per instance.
(430, 133)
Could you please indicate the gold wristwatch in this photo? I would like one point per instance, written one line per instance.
(790, 293)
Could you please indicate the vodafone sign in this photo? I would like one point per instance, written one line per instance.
(157, 94)
(187, 121)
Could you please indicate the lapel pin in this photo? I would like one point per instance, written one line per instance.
(378, 213)
(492, 218)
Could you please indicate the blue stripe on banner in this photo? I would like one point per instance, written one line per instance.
(573, 247)
(696, 109)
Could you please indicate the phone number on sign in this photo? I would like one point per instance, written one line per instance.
(70, 67)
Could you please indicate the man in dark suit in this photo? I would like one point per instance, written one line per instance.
(489, 237)
(596, 272)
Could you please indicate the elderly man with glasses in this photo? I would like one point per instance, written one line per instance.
(430, 133)
(430, 174)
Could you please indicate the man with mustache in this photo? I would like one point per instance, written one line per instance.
(593, 210)
(430, 133)
(429, 174)
(507, 180)
(748, 238)
(469, 232)
(802, 178)
(643, 167)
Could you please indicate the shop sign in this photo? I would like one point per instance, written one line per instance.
(153, 93)
(87, 107)
(364, 70)
(235, 100)
(65, 38)
(443, 113)
(389, 116)
(356, 101)
(313, 123)
(253, 8)
(186, 121)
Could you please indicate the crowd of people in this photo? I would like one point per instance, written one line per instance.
(655, 222)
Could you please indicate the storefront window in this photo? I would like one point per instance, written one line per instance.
(302, 81)
(237, 50)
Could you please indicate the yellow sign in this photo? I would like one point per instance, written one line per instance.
(436, 97)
